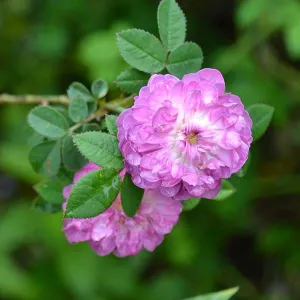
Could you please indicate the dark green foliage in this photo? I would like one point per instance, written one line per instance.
(45, 158)
(131, 196)
(93, 194)
(71, 157)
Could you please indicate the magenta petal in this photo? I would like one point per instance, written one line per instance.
(170, 191)
(184, 136)
(67, 191)
(214, 77)
(114, 232)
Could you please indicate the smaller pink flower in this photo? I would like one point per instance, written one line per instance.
(114, 232)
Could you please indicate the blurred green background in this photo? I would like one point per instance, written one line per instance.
(251, 240)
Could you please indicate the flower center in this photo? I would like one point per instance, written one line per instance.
(192, 138)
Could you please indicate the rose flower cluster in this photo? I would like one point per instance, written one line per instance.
(178, 140)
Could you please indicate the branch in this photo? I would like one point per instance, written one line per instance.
(33, 99)
(96, 115)
(60, 99)
(115, 106)
(119, 105)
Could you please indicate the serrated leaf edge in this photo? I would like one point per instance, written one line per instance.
(129, 90)
(159, 27)
(66, 212)
(185, 43)
(96, 132)
(146, 32)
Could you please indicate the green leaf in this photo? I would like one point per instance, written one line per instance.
(100, 126)
(45, 158)
(101, 148)
(242, 172)
(91, 127)
(131, 196)
(110, 121)
(261, 116)
(132, 80)
(51, 191)
(34, 139)
(64, 175)
(71, 157)
(78, 90)
(92, 106)
(226, 191)
(141, 50)
(78, 110)
(171, 24)
(99, 88)
(93, 194)
(48, 122)
(222, 295)
(40, 204)
(65, 113)
(186, 58)
(190, 203)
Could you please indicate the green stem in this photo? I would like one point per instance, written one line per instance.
(116, 105)
(119, 105)
(33, 99)
(97, 114)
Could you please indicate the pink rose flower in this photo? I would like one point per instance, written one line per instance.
(184, 136)
(114, 232)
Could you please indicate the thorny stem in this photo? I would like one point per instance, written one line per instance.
(114, 106)
(59, 99)
(33, 99)
(119, 104)
(97, 114)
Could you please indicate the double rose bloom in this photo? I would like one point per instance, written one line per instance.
(178, 140)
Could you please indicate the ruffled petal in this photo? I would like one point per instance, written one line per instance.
(186, 130)
(114, 232)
